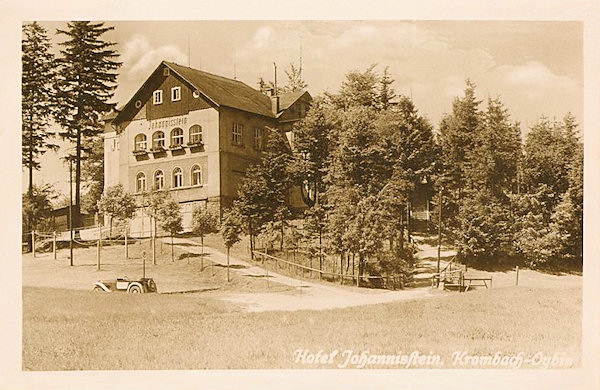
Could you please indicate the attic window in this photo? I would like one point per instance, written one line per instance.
(166, 71)
(157, 97)
(138, 104)
(175, 94)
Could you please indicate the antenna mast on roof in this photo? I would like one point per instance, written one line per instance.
(275, 84)
(234, 69)
(300, 68)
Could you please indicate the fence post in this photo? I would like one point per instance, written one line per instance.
(33, 242)
(126, 247)
(517, 282)
(99, 244)
(54, 244)
(267, 272)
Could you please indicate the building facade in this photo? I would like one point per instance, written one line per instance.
(192, 134)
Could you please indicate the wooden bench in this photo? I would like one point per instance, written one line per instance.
(476, 282)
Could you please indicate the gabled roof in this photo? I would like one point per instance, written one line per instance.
(225, 92)
(287, 99)
(218, 90)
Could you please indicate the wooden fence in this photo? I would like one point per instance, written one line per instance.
(295, 269)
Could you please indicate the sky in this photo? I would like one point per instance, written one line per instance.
(535, 68)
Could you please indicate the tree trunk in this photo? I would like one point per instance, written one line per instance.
(320, 250)
(408, 208)
(201, 253)
(401, 231)
(153, 241)
(341, 267)
(281, 242)
(30, 188)
(172, 249)
(77, 216)
(227, 264)
(110, 226)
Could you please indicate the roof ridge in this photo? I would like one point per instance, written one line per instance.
(205, 72)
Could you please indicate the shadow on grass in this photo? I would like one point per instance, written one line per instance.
(232, 266)
(191, 256)
(185, 244)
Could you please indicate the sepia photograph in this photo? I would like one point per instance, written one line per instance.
(351, 197)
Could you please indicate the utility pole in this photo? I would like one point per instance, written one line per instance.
(439, 231)
(71, 210)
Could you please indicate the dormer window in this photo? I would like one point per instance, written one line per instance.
(175, 94)
(157, 97)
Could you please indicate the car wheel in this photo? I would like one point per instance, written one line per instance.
(98, 289)
(135, 290)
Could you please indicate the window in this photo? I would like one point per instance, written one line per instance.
(237, 134)
(177, 177)
(140, 182)
(175, 94)
(157, 97)
(196, 175)
(195, 134)
(158, 140)
(159, 180)
(140, 142)
(258, 138)
(176, 137)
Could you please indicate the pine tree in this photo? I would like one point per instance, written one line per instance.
(550, 216)
(487, 224)
(457, 137)
(311, 148)
(86, 83)
(38, 96)
(386, 93)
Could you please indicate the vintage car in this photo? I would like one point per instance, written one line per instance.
(143, 285)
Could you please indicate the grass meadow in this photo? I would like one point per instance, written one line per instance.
(81, 330)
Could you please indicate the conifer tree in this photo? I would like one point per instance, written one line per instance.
(38, 96)
(386, 93)
(86, 83)
(457, 137)
(311, 149)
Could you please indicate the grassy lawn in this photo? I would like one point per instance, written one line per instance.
(183, 273)
(81, 330)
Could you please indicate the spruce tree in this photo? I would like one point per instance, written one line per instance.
(86, 83)
(38, 96)
(386, 93)
(457, 137)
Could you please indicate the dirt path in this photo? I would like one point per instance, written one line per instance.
(308, 296)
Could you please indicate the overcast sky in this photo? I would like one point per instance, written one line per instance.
(534, 67)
